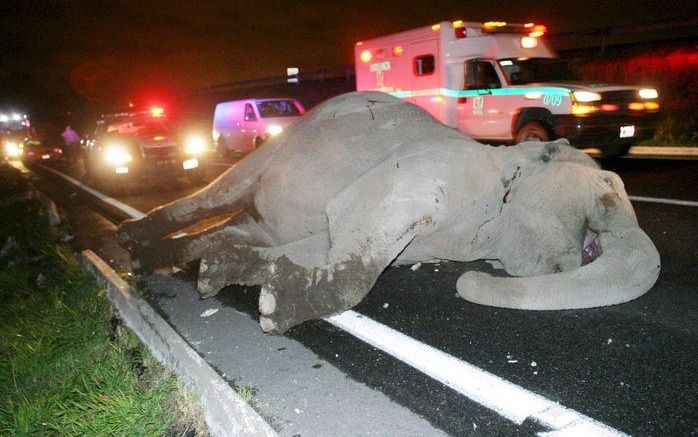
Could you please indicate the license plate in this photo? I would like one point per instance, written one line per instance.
(45, 156)
(627, 131)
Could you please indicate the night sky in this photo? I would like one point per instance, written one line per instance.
(69, 53)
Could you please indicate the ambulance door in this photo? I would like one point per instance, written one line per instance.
(482, 107)
(425, 76)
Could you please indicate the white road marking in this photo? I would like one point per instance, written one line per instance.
(503, 397)
(660, 200)
(506, 399)
(132, 212)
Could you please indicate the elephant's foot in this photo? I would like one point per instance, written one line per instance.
(235, 264)
(296, 294)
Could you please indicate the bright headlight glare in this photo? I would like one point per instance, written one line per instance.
(274, 130)
(117, 155)
(195, 146)
(12, 150)
(649, 93)
(528, 42)
(586, 96)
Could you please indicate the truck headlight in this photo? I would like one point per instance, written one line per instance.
(117, 155)
(528, 42)
(274, 130)
(195, 146)
(648, 93)
(12, 150)
(586, 96)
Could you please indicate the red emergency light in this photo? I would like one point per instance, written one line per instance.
(157, 111)
(537, 31)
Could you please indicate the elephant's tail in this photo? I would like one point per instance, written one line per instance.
(628, 267)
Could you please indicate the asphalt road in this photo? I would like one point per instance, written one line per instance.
(633, 367)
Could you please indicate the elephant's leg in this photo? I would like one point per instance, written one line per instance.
(233, 264)
(370, 223)
(183, 248)
(230, 192)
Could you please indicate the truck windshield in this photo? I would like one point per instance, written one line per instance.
(535, 70)
(278, 108)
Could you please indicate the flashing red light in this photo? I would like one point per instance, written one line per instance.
(609, 107)
(157, 111)
(538, 31)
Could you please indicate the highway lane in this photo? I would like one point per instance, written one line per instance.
(631, 366)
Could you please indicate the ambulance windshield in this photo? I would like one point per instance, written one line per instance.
(523, 71)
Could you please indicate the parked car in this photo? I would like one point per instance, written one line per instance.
(243, 125)
(39, 148)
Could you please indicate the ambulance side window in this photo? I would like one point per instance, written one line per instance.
(424, 65)
(480, 75)
(249, 113)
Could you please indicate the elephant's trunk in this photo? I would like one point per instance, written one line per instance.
(627, 268)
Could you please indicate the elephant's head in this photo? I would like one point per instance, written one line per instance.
(559, 205)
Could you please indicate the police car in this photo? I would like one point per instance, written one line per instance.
(145, 145)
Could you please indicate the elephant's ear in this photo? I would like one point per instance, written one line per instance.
(555, 151)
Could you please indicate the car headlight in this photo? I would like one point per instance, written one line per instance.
(195, 146)
(648, 93)
(274, 130)
(12, 150)
(586, 96)
(117, 155)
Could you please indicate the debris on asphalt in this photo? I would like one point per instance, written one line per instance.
(415, 267)
(386, 305)
(209, 312)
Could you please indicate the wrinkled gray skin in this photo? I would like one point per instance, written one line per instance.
(366, 180)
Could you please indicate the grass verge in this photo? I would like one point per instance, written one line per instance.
(67, 366)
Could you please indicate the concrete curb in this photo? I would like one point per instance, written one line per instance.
(225, 412)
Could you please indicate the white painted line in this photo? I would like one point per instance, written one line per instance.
(660, 200)
(506, 399)
(133, 212)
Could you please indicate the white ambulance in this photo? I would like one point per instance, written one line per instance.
(499, 82)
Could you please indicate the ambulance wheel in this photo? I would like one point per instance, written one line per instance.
(532, 131)
(616, 150)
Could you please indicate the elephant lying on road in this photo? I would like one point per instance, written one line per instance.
(365, 180)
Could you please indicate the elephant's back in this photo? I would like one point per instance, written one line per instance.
(330, 148)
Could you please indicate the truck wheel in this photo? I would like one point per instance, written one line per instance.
(257, 142)
(221, 149)
(532, 131)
